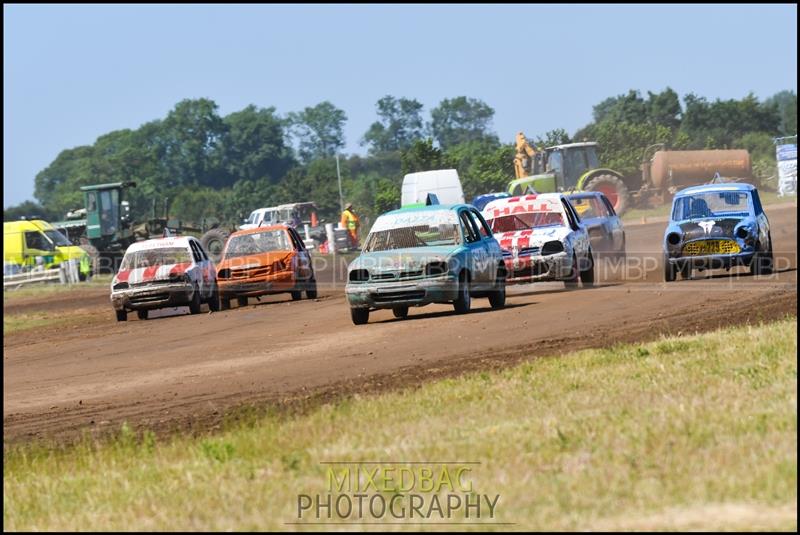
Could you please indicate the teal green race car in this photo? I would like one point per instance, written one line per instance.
(422, 255)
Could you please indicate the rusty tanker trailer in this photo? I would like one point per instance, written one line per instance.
(668, 171)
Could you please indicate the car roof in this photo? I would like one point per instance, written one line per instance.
(584, 194)
(428, 208)
(705, 188)
(256, 230)
(158, 243)
(571, 145)
(514, 201)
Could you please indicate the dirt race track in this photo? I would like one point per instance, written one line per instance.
(185, 372)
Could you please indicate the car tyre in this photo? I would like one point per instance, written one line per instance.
(297, 295)
(587, 275)
(194, 306)
(242, 301)
(463, 302)
(311, 289)
(686, 271)
(497, 297)
(572, 281)
(213, 301)
(400, 312)
(360, 316)
(225, 303)
(669, 270)
(122, 315)
(141, 314)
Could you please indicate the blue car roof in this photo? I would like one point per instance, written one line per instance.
(428, 208)
(738, 186)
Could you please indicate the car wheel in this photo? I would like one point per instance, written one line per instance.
(572, 281)
(242, 301)
(213, 301)
(360, 316)
(311, 289)
(141, 314)
(669, 270)
(225, 303)
(587, 275)
(686, 271)
(194, 306)
(400, 312)
(497, 297)
(463, 302)
(122, 315)
(297, 295)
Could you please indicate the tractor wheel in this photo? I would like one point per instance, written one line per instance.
(613, 188)
(213, 242)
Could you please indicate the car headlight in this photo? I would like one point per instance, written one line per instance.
(744, 232)
(673, 238)
(359, 275)
(552, 247)
(121, 286)
(224, 274)
(435, 269)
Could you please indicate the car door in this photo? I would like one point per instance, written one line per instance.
(494, 253)
(304, 270)
(200, 272)
(477, 253)
(579, 236)
(587, 209)
(37, 244)
(614, 224)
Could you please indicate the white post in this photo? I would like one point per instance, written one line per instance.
(339, 177)
(62, 273)
(305, 229)
(331, 237)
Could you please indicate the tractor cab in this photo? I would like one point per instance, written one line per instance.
(570, 162)
(107, 215)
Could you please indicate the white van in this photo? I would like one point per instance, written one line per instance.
(443, 182)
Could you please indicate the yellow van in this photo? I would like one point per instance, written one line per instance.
(23, 241)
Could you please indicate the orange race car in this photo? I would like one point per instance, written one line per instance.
(265, 260)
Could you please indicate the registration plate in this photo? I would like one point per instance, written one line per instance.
(708, 247)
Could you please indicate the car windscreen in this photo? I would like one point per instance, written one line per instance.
(413, 229)
(525, 221)
(711, 204)
(161, 256)
(259, 242)
(57, 238)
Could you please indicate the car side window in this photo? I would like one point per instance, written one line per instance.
(756, 203)
(470, 231)
(572, 217)
(202, 251)
(195, 253)
(608, 206)
(483, 227)
(36, 240)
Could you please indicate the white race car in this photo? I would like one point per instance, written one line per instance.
(542, 238)
(164, 272)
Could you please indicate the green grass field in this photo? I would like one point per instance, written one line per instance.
(690, 432)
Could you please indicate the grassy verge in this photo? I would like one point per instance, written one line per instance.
(691, 432)
(15, 323)
(635, 215)
(44, 289)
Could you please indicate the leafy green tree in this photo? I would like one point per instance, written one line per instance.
(399, 125)
(319, 130)
(559, 136)
(621, 144)
(191, 144)
(254, 145)
(57, 186)
(460, 120)
(786, 104)
(717, 124)
(423, 156)
(483, 166)
(29, 210)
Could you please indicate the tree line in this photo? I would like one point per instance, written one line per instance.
(222, 167)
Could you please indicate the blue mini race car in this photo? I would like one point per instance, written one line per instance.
(717, 226)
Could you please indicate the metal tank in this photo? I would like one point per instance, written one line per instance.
(680, 168)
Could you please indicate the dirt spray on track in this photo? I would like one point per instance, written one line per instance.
(187, 372)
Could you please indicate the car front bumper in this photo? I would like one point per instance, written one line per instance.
(715, 261)
(536, 268)
(252, 287)
(151, 296)
(414, 292)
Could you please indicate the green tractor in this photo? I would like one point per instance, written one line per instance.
(104, 227)
(569, 167)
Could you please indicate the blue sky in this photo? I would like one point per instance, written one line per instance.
(73, 73)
